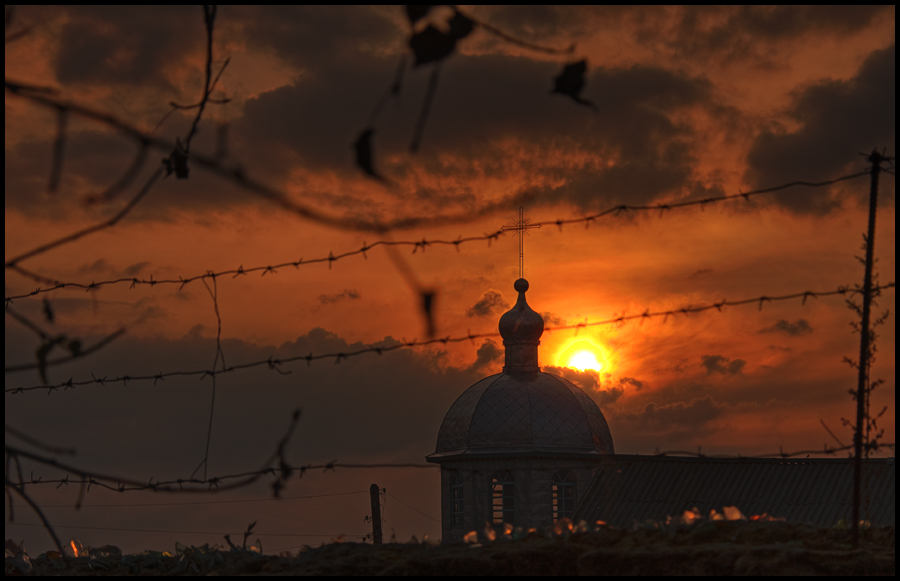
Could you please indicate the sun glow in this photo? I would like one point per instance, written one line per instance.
(585, 360)
(583, 354)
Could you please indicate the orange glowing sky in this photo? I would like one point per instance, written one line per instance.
(691, 103)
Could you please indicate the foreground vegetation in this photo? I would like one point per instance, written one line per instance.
(706, 548)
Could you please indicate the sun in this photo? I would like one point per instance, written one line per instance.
(585, 360)
(583, 354)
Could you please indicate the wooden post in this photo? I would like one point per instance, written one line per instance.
(376, 514)
(875, 159)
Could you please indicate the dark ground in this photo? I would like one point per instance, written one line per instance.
(707, 548)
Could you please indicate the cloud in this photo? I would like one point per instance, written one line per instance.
(136, 268)
(681, 414)
(488, 353)
(798, 327)
(552, 320)
(345, 295)
(731, 33)
(603, 389)
(701, 272)
(719, 364)
(490, 302)
(838, 119)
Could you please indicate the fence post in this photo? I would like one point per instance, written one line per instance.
(376, 514)
(875, 159)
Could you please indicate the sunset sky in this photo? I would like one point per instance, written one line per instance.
(687, 104)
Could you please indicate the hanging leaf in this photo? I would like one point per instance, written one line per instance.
(432, 45)
(48, 311)
(363, 147)
(571, 81)
(427, 310)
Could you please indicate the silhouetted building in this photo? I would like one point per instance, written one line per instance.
(518, 447)
(529, 448)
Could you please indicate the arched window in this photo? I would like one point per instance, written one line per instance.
(456, 499)
(563, 495)
(503, 498)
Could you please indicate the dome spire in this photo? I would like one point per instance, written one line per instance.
(521, 329)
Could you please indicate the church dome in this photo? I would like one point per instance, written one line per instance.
(523, 413)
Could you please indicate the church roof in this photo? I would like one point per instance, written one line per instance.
(812, 491)
(523, 411)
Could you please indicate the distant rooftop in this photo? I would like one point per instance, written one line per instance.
(804, 490)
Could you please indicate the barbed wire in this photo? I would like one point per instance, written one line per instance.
(615, 211)
(274, 363)
(198, 485)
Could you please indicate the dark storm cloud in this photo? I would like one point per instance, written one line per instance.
(798, 327)
(676, 415)
(491, 302)
(317, 37)
(719, 364)
(482, 103)
(557, 25)
(838, 120)
(345, 295)
(113, 45)
(752, 32)
(485, 100)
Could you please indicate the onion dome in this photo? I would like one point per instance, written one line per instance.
(521, 329)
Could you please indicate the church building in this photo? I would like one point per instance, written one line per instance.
(527, 448)
(519, 447)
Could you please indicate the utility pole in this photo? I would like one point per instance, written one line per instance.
(875, 159)
(376, 513)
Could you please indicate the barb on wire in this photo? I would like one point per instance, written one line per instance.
(489, 237)
(843, 291)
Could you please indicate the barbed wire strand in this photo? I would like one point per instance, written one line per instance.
(416, 244)
(274, 363)
(214, 485)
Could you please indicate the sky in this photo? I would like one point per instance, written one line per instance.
(678, 104)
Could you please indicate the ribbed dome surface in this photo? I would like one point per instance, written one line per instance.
(523, 413)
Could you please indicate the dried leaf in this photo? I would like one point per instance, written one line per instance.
(363, 147)
(431, 45)
(571, 81)
(417, 12)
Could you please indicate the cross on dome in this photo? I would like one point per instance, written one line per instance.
(521, 226)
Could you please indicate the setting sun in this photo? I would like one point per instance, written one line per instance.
(583, 354)
(585, 360)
